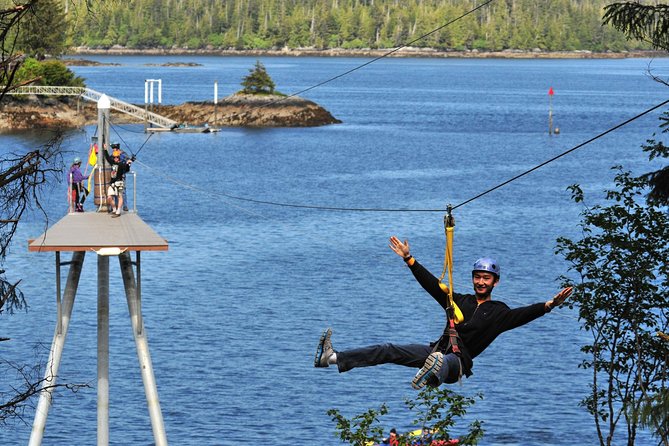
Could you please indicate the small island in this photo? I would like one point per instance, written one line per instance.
(258, 104)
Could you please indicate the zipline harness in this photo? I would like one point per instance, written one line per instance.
(453, 313)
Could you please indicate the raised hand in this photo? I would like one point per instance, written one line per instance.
(401, 248)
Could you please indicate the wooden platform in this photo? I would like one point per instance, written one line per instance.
(86, 231)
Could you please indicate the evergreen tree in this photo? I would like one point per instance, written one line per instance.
(647, 23)
(258, 81)
(44, 30)
(275, 24)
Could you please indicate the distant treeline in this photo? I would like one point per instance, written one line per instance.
(549, 25)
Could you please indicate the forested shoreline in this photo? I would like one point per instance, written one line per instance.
(363, 53)
(274, 25)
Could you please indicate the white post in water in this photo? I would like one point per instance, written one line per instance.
(146, 104)
(148, 95)
(215, 102)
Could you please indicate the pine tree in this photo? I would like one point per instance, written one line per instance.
(258, 81)
(44, 31)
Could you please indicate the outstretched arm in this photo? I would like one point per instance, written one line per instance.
(425, 278)
(522, 315)
(559, 298)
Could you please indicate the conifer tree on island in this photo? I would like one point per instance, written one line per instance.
(258, 81)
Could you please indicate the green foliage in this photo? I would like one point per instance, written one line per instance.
(30, 69)
(436, 411)
(265, 24)
(48, 72)
(55, 72)
(654, 414)
(640, 22)
(658, 179)
(361, 429)
(258, 81)
(622, 263)
(43, 32)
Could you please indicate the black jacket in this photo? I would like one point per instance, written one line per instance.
(482, 323)
(118, 169)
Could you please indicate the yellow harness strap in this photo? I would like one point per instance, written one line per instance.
(449, 225)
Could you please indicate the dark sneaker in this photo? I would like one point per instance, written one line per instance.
(115, 215)
(429, 371)
(324, 349)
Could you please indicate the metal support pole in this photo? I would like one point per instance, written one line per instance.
(103, 350)
(59, 307)
(138, 267)
(56, 352)
(134, 194)
(132, 292)
(104, 106)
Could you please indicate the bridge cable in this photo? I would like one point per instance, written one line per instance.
(616, 127)
(113, 127)
(351, 209)
(450, 22)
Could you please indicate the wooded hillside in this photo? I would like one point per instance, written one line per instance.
(550, 25)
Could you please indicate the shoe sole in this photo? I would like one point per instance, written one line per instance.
(432, 366)
(319, 350)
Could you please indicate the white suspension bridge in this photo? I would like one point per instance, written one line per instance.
(94, 96)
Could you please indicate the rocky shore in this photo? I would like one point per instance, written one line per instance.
(536, 53)
(235, 110)
(240, 110)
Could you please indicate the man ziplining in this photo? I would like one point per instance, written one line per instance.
(476, 321)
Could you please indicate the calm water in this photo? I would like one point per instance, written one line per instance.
(234, 309)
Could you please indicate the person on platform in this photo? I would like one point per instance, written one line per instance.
(119, 168)
(77, 190)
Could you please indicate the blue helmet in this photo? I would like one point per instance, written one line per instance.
(488, 265)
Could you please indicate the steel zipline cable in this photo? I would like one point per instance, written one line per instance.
(369, 62)
(352, 209)
(394, 50)
(450, 22)
(612, 129)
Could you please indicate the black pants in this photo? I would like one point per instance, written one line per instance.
(409, 355)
